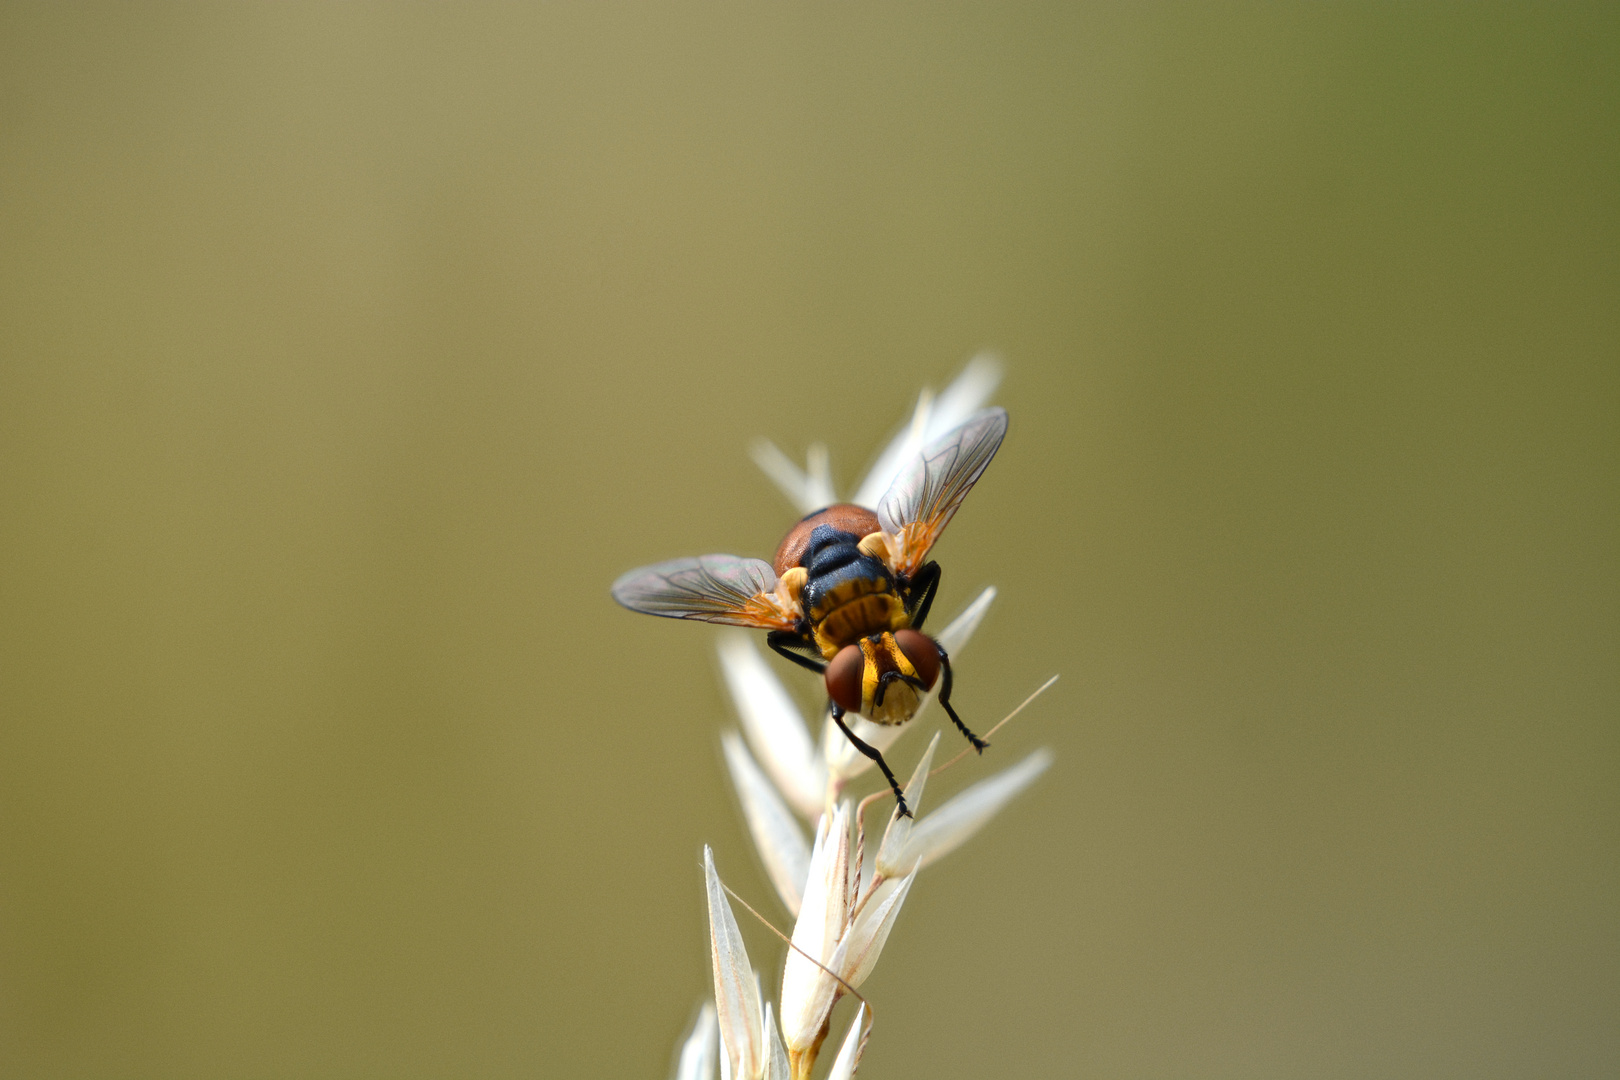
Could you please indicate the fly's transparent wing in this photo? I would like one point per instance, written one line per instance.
(933, 417)
(710, 588)
(921, 502)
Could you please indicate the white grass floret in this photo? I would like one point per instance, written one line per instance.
(807, 489)
(862, 945)
(960, 629)
(808, 992)
(698, 1052)
(776, 1058)
(736, 987)
(938, 834)
(777, 836)
(773, 724)
(849, 1054)
(898, 834)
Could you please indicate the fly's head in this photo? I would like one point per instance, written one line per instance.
(885, 676)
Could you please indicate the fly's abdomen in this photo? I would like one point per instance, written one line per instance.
(850, 604)
(847, 594)
(860, 618)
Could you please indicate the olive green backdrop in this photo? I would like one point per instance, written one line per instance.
(348, 353)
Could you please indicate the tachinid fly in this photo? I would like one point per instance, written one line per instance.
(849, 589)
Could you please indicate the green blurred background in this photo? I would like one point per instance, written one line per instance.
(348, 353)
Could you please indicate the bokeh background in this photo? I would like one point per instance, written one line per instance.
(347, 353)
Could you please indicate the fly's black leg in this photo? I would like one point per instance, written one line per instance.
(945, 700)
(783, 642)
(923, 587)
(873, 753)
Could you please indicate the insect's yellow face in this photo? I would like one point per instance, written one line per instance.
(900, 703)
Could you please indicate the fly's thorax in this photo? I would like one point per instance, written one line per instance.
(831, 556)
(843, 519)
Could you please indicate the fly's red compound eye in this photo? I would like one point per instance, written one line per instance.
(844, 676)
(922, 652)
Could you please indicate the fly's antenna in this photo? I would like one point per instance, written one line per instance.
(1038, 692)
